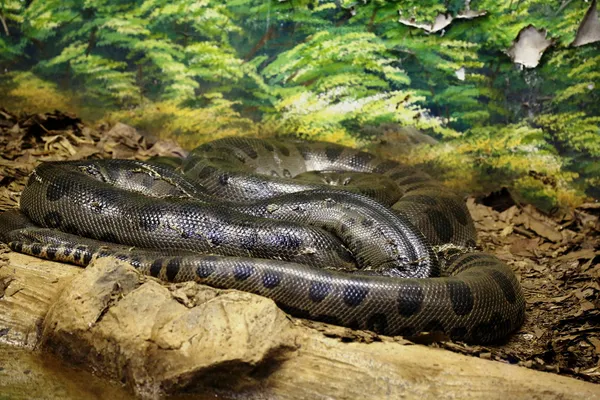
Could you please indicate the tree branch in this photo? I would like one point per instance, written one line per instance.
(4, 25)
(269, 34)
(563, 5)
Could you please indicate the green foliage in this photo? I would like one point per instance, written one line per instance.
(11, 15)
(326, 69)
(514, 156)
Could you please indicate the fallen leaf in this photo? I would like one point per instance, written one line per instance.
(524, 247)
(557, 299)
(584, 254)
(544, 230)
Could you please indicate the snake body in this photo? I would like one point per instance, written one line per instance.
(328, 232)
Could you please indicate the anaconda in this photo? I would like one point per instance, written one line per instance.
(328, 232)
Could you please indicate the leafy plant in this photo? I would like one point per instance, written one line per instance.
(325, 69)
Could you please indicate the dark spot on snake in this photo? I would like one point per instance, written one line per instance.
(186, 233)
(122, 256)
(410, 298)
(354, 295)
(53, 219)
(470, 243)
(460, 296)
(318, 291)
(206, 172)
(287, 242)
(407, 331)
(248, 242)
(77, 253)
(173, 267)
(268, 146)
(224, 179)
(434, 326)
(505, 285)
(377, 323)
(103, 253)
(441, 224)
(496, 326)
(17, 246)
(354, 324)
(58, 188)
(287, 173)
(248, 149)
(206, 267)
(240, 158)
(36, 249)
(333, 152)
(305, 151)
(156, 267)
(361, 159)
(51, 252)
(135, 262)
(385, 166)
(87, 256)
(458, 333)
(367, 223)
(243, 271)
(271, 279)
(347, 224)
(67, 251)
(283, 150)
(216, 236)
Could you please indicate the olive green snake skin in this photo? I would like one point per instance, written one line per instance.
(328, 232)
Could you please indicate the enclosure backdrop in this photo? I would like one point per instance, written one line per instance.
(509, 90)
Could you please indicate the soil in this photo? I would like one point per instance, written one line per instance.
(556, 256)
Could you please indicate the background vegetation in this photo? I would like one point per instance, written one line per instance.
(340, 70)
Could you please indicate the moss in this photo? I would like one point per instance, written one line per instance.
(26, 92)
(189, 126)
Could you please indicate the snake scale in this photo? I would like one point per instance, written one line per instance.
(328, 232)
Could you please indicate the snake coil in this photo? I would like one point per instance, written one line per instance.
(328, 232)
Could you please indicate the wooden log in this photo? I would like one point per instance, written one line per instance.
(164, 338)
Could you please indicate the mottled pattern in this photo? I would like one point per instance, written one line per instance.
(351, 239)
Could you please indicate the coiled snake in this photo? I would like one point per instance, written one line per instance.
(352, 239)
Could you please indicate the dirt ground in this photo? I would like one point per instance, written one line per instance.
(557, 257)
